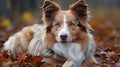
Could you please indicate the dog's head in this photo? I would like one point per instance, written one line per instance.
(63, 26)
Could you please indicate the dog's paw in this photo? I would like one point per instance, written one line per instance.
(68, 63)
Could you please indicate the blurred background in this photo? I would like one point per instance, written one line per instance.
(12, 12)
(15, 14)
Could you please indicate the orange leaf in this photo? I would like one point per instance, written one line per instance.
(22, 56)
(112, 47)
(47, 65)
(36, 59)
(2, 59)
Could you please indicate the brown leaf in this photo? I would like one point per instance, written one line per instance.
(5, 54)
(22, 57)
(112, 47)
(113, 56)
(2, 59)
(36, 59)
(21, 64)
(47, 65)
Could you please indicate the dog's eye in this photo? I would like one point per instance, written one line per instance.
(72, 25)
(57, 25)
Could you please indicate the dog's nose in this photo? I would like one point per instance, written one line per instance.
(63, 37)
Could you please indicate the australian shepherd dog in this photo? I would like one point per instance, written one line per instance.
(63, 34)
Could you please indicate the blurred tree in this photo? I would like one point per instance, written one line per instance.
(3, 8)
(23, 5)
(104, 4)
(18, 7)
(4, 14)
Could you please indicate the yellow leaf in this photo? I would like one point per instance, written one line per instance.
(26, 16)
(5, 22)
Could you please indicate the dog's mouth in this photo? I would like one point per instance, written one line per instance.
(64, 41)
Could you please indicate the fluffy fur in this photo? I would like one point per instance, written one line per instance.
(63, 34)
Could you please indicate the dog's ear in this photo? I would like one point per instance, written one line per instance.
(49, 8)
(80, 8)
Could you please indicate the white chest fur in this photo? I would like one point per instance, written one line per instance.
(70, 50)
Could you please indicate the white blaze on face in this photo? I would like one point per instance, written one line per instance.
(64, 30)
(64, 19)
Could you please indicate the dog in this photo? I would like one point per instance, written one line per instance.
(63, 34)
